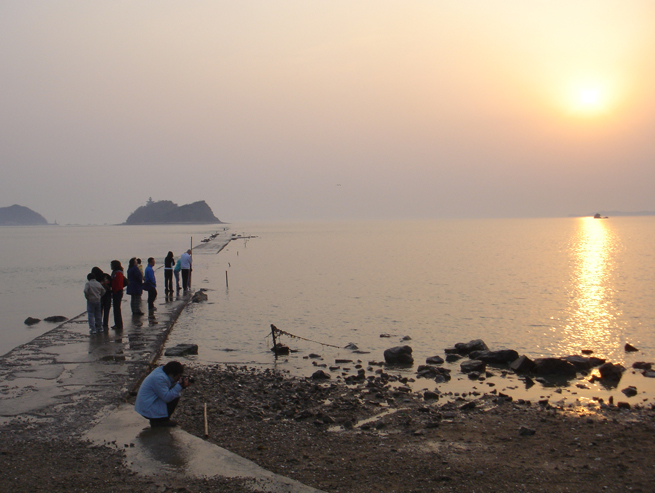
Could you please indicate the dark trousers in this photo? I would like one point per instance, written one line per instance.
(185, 278)
(135, 304)
(117, 298)
(170, 407)
(168, 280)
(152, 295)
(105, 303)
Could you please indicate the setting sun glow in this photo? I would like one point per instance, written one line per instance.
(589, 100)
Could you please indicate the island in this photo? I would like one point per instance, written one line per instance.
(18, 215)
(167, 212)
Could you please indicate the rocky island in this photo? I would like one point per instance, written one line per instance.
(18, 215)
(167, 212)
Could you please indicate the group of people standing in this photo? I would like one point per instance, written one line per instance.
(103, 290)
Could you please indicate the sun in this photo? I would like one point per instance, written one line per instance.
(588, 100)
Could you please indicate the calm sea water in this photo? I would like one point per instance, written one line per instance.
(45, 267)
(545, 287)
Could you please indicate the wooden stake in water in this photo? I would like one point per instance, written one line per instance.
(274, 341)
(206, 428)
(227, 283)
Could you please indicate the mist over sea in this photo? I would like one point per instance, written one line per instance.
(544, 287)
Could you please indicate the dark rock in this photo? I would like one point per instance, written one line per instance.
(406, 338)
(451, 358)
(468, 406)
(55, 319)
(399, 355)
(31, 321)
(474, 345)
(587, 351)
(580, 362)
(630, 391)
(280, 349)
(428, 395)
(596, 361)
(474, 375)
(473, 365)
(610, 371)
(526, 432)
(199, 296)
(320, 375)
(342, 361)
(522, 364)
(649, 373)
(385, 335)
(502, 357)
(442, 378)
(351, 346)
(623, 405)
(434, 360)
(451, 350)
(630, 348)
(426, 371)
(554, 366)
(314, 356)
(639, 365)
(182, 350)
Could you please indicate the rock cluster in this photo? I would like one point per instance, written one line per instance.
(542, 369)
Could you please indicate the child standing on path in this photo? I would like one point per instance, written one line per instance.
(93, 292)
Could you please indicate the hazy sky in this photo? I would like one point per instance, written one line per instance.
(327, 109)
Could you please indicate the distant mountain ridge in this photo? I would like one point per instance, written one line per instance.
(167, 212)
(18, 215)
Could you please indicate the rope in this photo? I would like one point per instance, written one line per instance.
(282, 332)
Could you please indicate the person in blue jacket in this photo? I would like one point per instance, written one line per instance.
(159, 394)
(150, 284)
(135, 287)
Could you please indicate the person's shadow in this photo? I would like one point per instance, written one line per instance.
(160, 445)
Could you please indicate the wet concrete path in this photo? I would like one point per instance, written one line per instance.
(70, 383)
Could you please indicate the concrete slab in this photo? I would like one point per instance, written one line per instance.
(172, 451)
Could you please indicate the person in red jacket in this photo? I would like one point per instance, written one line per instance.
(117, 285)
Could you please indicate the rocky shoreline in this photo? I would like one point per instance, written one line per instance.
(371, 436)
(375, 435)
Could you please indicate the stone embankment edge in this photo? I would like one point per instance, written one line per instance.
(149, 366)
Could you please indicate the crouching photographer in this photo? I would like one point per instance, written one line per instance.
(160, 392)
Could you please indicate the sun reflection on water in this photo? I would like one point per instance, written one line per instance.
(592, 320)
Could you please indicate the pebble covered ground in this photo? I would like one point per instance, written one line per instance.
(371, 435)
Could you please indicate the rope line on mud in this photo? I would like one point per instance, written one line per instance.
(293, 336)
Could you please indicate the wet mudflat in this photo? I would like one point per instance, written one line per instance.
(357, 438)
(372, 438)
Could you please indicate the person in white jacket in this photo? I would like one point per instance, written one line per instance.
(93, 292)
(186, 262)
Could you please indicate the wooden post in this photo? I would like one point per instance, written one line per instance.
(206, 428)
(227, 282)
(273, 327)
